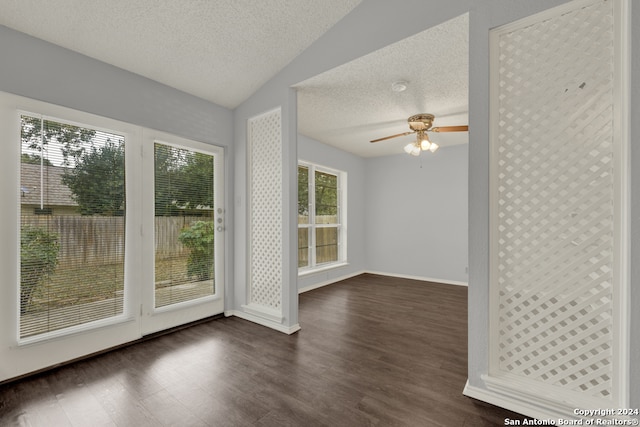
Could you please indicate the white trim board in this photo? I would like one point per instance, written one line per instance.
(263, 322)
(537, 402)
(402, 276)
(421, 278)
(529, 408)
(329, 281)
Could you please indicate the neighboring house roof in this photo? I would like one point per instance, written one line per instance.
(55, 192)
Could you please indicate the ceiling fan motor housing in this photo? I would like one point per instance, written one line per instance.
(420, 122)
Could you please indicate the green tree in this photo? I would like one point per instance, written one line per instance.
(303, 191)
(183, 180)
(36, 134)
(326, 192)
(97, 180)
(326, 186)
(34, 159)
(38, 259)
(166, 170)
(196, 181)
(199, 238)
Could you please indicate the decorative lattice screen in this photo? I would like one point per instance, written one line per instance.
(265, 145)
(555, 201)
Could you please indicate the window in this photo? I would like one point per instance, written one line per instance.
(321, 219)
(184, 225)
(72, 224)
(92, 206)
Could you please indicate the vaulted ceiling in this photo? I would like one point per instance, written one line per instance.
(224, 50)
(221, 50)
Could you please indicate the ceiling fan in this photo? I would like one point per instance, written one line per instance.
(421, 124)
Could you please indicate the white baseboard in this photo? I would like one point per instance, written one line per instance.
(380, 273)
(539, 402)
(328, 282)
(421, 278)
(271, 321)
(264, 322)
(526, 408)
(263, 312)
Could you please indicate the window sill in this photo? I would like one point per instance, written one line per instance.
(322, 268)
(75, 330)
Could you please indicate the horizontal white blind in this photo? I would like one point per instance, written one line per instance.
(184, 225)
(72, 204)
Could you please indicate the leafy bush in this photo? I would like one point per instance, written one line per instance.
(198, 237)
(38, 259)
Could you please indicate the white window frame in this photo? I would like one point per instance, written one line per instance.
(313, 267)
(154, 319)
(130, 135)
(23, 355)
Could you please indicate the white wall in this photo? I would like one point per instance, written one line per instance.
(416, 215)
(407, 216)
(358, 34)
(316, 152)
(46, 72)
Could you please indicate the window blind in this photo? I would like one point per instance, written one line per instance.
(72, 206)
(184, 225)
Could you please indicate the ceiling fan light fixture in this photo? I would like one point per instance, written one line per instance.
(409, 147)
(423, 140)
(420, 124)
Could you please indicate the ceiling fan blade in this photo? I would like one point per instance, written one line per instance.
(392, 136)
(450, 129)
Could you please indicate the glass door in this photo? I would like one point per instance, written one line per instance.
(186, 262)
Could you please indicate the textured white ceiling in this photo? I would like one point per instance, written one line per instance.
(224, 50)
(219, 50)
(352, 104)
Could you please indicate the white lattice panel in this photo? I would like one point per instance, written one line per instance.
(555, 201)
(265, 145)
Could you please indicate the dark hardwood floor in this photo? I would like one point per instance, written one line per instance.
(373, 350)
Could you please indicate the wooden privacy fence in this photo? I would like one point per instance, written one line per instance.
(326, 239)
(167, 232)
(99, 240)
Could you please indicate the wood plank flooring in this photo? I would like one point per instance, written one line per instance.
(373, 351)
